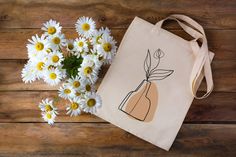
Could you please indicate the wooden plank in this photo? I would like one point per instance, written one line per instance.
(73, 139)
(10, 76)
(13, 41)
(116, 13)
(22, 107)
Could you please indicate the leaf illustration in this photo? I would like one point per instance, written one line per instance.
(147, 64)
(160, 74)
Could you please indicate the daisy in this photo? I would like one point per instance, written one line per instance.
(76, 82)
(74, 107)
(63, 71)
(66, 91)
(57, 41)
(70, 46)
(85, 26)
(47, 106)
(49, 117)
(93, 59)
(97, 35)
(92, 103)
(38, 64)
(81, 45)
(55, 58)
(51, 27)
(28, 73)
(88, 86)
(88, 71)
(107, 48)
(52, 76)
(37, 45)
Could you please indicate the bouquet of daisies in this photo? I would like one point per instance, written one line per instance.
(74, 64)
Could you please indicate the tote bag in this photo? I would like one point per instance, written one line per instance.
(154, 78)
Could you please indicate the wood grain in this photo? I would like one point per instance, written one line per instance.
(115, 13)
(10, 76)
(72, 139)
(23, 107)
(13, 41)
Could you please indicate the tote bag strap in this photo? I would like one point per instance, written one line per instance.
(202, 61)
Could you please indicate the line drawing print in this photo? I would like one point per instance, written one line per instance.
(141, 103)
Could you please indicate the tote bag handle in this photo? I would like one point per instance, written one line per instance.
(202, 61)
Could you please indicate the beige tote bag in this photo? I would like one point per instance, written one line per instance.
(153, 80)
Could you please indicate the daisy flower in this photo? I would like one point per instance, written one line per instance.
(66, 91)
(88, 71)
(85, 26)
(37, 45)
(97, 35)
(92, 103)
(49, 117)
(39, 65)
(28, 73)
(52, 76)
(88, 86)
(70, 46)
(81, 45)
(47, 106)
(107, 48)
(74, 107)
(51, 27)
(57, 41)
(55, 58)
(76, 82)
(93, 59)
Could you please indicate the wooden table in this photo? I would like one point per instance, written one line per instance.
(208, 130)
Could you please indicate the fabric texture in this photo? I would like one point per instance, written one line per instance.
(154, 78)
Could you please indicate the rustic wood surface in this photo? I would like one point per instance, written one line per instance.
(210, 125)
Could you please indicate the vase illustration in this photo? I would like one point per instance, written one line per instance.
(141, 103)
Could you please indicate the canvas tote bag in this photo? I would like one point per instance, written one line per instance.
(154, 78)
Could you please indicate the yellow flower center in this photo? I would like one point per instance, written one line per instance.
(76, 84)
(80, 44)
(39, 46)
(67, 91)
(53, 76)
(91, 102)
(74, 106)
(85, 27)
(56, 40)
(88, 70)
(48, 115)
(70, 46)
(39, 66)
(88, 88)
(51, 30)
(55, 59)
(48, 108)
(107, 47)
(97, 39)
